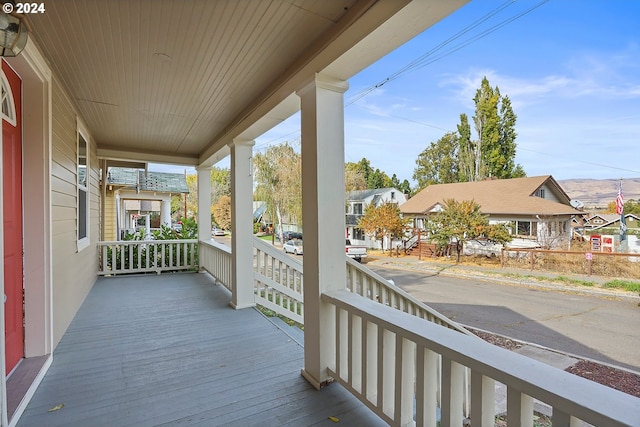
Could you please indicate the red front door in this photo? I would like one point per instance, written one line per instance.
(12, 209)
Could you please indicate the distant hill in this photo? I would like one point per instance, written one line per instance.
(598, 193)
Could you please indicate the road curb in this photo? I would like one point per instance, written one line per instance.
(542, 283)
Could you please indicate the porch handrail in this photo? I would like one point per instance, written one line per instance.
(369, 284)
(144, 256)
(215, 258)
(413, 240)
(387, 359)
(278, 281)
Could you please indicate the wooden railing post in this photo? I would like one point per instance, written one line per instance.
(532, 259)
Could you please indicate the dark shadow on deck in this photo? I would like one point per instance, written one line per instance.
(168, 350)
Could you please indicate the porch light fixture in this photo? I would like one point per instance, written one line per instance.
(14, 31)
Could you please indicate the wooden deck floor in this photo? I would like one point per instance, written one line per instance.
(168, 350)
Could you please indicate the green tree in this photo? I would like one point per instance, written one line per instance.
(378, 179)
(456, 157)
(403, 186)
(222, 212)
(495, 149)
(373, 178)
(362, 168)
(382, 221)
(220, 183)
(278, 179)
(192, 197)
(466, 156)
(632, 207)
(177, 206)
(438, 163)
(460, 221)
(353, 180)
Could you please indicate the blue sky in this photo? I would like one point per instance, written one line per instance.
(570, 67)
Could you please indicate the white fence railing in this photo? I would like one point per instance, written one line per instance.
(143, 256)
(390, 362)
(215, 258)
(278, 281)
(369, 284)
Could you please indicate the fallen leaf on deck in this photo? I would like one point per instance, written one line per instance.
(334, 419)
(57, 407)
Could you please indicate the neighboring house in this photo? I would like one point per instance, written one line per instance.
(605, 229)
(536, 210)
(595, 221)
(357, 201)
(611, 222)
(132, 195)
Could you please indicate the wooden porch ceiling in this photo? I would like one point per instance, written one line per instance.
(168, 350)
(177, 80)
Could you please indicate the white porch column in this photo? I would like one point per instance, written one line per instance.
(242, 224)
(204, 203)
(322, 115)
(165, 211)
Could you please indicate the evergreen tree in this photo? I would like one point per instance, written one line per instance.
(373, 178)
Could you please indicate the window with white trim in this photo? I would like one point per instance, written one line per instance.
(524, 228)
(83, 189)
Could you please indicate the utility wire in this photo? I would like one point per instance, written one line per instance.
(581, 161)
(429, 58)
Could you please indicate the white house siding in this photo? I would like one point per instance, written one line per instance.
(550, 195)
(73, 272)
(385, 196)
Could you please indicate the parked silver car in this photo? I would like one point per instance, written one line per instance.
(293, 246)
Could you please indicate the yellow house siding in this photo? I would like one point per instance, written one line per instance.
(74, 273)
(110, 216)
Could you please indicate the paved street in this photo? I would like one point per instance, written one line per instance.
(592, 326)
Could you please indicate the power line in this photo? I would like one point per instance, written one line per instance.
(427, 58)
(581, 161)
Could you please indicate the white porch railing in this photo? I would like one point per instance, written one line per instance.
(390, 362)
(215, 258)
(143, 256)
(278, 281)
(367, 283)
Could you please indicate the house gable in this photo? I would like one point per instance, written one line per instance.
(631, 220)
(375, 196)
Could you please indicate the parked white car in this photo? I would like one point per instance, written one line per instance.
(218, 232)
(293, 246)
